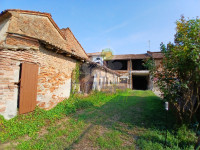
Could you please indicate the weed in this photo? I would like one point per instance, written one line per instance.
(125, 120)
(32, 122)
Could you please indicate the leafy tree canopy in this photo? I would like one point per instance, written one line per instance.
(179, 79)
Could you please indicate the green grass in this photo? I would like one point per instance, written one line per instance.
(31, 123)
(125, 120)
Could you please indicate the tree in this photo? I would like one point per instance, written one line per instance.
(179, 80)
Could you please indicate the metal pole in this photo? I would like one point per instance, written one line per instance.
(166, 132)
(166, 108)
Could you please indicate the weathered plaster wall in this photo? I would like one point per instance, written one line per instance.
(22, 42)
(22, 45)
(9, 75)
(54, 79)
(94, 59)
(102, 78)
(36, 26)
(3, 28)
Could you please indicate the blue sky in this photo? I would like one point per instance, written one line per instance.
(125, 26)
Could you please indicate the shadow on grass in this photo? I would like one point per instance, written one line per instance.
(132, 111)
(147, 112)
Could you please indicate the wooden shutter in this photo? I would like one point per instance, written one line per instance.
(28, 88)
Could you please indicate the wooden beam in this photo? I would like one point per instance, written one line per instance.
(48, 46)
(68, 55)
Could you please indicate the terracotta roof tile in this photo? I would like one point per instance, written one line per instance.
(38, 29)
(130, 56)
(156, 55)
(94, 54)
(34, 24)
(73, 43)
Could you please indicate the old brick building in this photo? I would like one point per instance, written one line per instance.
(132, 72)
(36, 62)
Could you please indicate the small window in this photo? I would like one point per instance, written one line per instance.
(98, 59)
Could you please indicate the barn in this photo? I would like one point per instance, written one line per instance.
(36, 62)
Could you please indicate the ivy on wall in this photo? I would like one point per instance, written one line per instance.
(75, 79)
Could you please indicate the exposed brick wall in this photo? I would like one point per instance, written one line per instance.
(73, 44)
(19, 41)
(9, 75)
(35, 26)
(158, 63)
(54, 79)
(21, 46)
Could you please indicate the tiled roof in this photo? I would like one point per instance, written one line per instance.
(39, 29)
(129, 56)
(156, 55)
(40, 26)
(73, 43)
(94, 54)
(33, 13)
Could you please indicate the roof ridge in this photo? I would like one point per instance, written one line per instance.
(25, 11)
(131, 54)
(36, 13)
(75, 39)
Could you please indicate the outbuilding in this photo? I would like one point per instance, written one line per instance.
(36, 61)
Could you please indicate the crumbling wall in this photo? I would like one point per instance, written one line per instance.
(22, 35)
(72, 43)
(95, 78)
(10, 61)
(36, 26)
(155, 88)
(102, 78)
(54, 78)
(3, 29)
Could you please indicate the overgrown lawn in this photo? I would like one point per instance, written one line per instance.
(125, 120)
